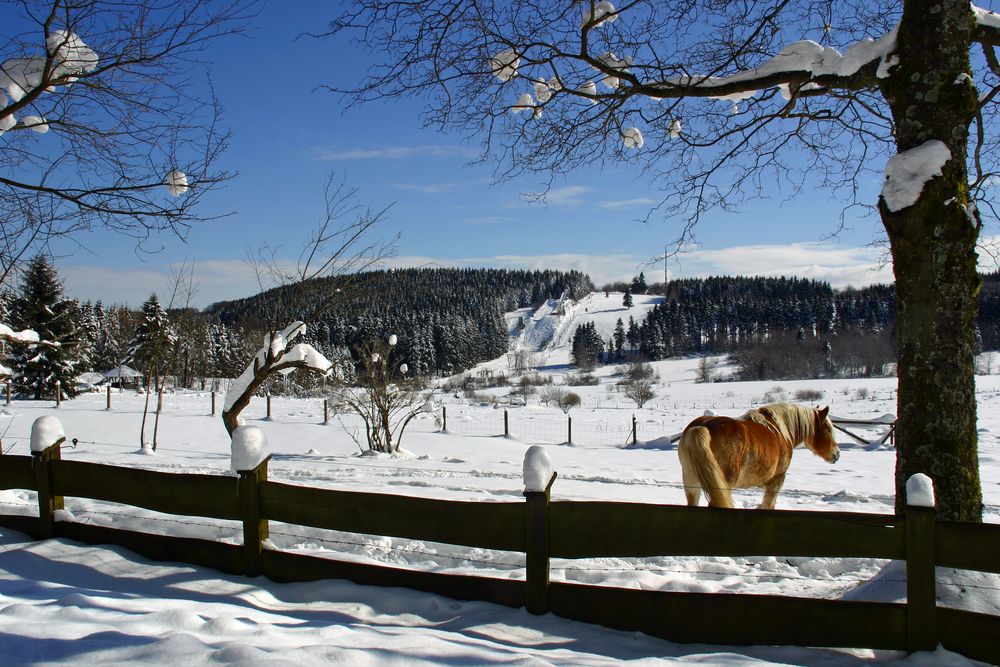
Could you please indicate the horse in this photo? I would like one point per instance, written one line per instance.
(721, 453)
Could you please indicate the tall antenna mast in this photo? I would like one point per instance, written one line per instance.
(666, 274)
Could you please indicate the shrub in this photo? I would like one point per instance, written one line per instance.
(809, 395)
(583, 379)
(569, 400)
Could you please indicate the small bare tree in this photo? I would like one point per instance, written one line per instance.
(638, 383)
(385, 398)
(569, 400)
(339, 247)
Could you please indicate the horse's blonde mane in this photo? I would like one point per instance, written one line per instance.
(794, 423)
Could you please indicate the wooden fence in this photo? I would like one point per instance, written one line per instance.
(542, 529)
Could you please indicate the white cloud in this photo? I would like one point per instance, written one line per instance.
(394, 153)
(440, 188)
(489, 220)
(429, 189)
(840, 266)
(568, 195)
(628, 203)
(215, 280)
(220, 280)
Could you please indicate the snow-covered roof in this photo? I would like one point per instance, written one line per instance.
(90, 378)
(122, 371)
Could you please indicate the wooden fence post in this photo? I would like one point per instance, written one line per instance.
(921, 593)
(268, 418)
(536, 597)
(8, 393)
(506, 424)
(444, 418)
(48, 503)
(569, 429)
(635, 432)
(58, 392)
(109, 397)
(255, 528)
(326, 411)
(213, 402)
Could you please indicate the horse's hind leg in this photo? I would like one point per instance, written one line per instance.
(692, 487)
(771, 489)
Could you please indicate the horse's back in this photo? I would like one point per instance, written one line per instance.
(745, 450)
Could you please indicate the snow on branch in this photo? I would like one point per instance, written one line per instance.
(797, 64)
(25, 336)
(276, 356)
(907, 172)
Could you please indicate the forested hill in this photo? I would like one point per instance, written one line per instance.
(446, 319)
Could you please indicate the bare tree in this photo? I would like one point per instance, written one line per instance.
(638, 383)
(102, 124)
(385, 397)
(340, 247)
(719, 101)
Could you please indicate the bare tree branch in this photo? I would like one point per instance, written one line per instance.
(98, 109)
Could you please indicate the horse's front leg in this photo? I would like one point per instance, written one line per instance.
(771, 489)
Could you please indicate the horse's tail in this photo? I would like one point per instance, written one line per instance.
(699, 466)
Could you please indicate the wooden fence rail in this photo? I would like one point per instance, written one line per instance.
(543, 529)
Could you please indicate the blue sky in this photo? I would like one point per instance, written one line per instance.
(290, 137)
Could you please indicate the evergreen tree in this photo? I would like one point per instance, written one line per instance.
(153, 340)
(627, 300)
(632, 333)
(654, 344)
(588, 348)
(42, 308)
(619, 339)
(639, 285)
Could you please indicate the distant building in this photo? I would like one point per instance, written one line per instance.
(123, 376)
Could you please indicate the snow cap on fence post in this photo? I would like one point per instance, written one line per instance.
(920, 491)
(537, 469)
(249, 448)
(45, 432)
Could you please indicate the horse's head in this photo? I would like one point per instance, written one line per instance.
(822, 443)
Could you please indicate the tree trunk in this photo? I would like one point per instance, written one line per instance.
(934, 260)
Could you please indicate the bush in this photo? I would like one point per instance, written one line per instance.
(809, 395)
(569, 400)
(583, 379)
(775, 394)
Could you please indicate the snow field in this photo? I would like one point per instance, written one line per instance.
(472, 462)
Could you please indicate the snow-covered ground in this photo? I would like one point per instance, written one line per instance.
(108, 606)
